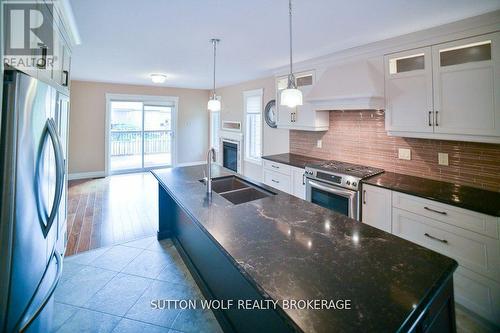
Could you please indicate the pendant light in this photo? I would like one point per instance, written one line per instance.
(291, 96)
(214, 103)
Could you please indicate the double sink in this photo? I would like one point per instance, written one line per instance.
(237, 190)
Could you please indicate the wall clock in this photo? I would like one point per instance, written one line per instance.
(270, 113)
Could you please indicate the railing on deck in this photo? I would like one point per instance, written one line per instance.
(130, 142)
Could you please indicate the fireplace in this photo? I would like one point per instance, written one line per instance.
(230, 150)
(230, 155)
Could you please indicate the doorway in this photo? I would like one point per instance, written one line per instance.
(140, 133)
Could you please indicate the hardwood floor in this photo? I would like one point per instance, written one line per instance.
(111, 210)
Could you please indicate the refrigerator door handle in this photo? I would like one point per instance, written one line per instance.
(29, 314)
(50, 130)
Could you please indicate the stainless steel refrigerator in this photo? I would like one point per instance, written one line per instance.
(33, 136)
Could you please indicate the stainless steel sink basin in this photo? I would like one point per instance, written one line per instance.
(245, 195)
(237, 190)
(225, 184)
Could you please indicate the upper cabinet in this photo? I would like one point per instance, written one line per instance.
(51, 49)
(466, 86)
(408, 91)
(445, 91)
(302, 117)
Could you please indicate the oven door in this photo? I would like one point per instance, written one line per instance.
(338, 199)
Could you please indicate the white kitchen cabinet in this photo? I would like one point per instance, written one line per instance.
(278, 180)
(285, 178)
(302, 117)
(447, 91)
(477, 293)
(376, 207)
(298, 183)
(466, 86)
(471, 238)
(463, 218)
(408, 91)
(478, 253)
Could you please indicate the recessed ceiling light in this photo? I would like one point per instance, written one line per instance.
(158, 78)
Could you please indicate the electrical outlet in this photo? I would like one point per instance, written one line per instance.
(319, 143)
(404, 154)
(443, 159)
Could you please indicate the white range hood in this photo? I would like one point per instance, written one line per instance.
(356, 85)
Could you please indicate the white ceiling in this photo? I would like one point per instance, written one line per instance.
(124, 41)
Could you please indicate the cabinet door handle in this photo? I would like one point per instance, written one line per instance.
(66, 78)
(303, 179)
(275, 166)
(435, 211)
(436, 239)
(436, 118)
(364, 197)
(275, 181)
(42, 63)
(430, 119)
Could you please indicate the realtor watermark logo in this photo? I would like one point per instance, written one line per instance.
(28, 34)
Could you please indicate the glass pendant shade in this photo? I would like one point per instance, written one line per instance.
(291, 97)
(214, 105)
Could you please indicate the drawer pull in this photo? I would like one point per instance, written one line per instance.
(275, 181)
(275, 166)
(437, 239)
(435, 211)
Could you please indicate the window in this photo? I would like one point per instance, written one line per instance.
(214, 129)
(253, 125)
(139, 132)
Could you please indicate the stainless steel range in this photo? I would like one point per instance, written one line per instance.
(335, 185)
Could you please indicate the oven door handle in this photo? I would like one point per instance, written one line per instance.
(344, 193)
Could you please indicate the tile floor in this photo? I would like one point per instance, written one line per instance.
(110, 290)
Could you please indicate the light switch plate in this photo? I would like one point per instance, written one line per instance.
(319, 143)
(443, 159)
(404, 154)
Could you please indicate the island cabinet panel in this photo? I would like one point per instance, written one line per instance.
(217, 275)
(438, 315)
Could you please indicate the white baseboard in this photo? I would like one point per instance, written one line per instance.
(99, 174)
(84, 175)
(191, 163)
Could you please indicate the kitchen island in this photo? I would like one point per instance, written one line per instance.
(281, 248)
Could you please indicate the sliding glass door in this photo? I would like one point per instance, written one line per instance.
(140, 135)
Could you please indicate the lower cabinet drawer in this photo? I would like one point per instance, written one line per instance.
(478, 294)
(483, 224)
(277, 180)
(278, 167)
(473, 251)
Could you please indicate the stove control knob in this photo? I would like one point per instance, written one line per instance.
(354, 184)
(348, 182)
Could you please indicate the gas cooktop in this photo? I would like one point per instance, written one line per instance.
(350, 169)
(341, 173)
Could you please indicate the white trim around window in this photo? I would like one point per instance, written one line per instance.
(252, 103)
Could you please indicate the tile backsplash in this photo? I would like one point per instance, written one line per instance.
(360, 137)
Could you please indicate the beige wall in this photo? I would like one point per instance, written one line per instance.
(275, 140)
(88, 117)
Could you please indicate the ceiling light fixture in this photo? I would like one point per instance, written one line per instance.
(158, 78)
(214, 103)
(291, 96)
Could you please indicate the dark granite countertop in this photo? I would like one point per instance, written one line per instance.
(478, 200)
(292, 249)
(295, 160)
